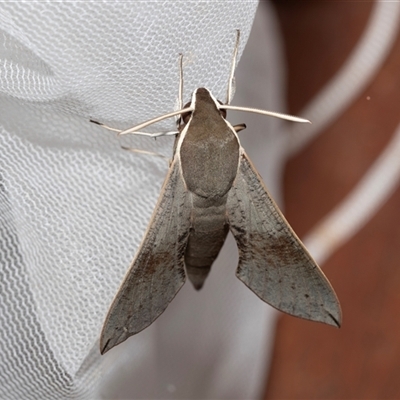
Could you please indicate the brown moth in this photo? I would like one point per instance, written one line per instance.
(211, 188)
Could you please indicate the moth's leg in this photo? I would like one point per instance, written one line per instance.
(229, 92)
(149, 153)
(105, 126)
(239, 127)
(133, 150)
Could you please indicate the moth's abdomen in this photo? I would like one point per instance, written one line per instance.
(207, 236)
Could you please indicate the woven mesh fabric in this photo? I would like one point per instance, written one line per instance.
(74, 206)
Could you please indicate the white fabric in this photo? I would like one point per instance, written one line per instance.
(74, 206)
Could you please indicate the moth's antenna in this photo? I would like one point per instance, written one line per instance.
(153, 121)
(264, 112)
(180, 94)
(136, 132)
(229, 92)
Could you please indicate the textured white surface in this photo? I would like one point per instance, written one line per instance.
(74, 206)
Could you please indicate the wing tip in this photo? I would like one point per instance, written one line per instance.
(108, 341)
(337, 320)
(105, 348)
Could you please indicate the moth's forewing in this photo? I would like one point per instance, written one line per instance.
(157, 272)
(273, 262)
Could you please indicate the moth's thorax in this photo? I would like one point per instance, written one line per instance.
(209, 151)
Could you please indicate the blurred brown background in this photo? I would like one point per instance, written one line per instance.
(362, 359)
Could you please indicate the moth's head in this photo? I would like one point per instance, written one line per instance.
(199, 95)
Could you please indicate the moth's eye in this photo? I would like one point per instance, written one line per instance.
(222, 111)
(186, 116)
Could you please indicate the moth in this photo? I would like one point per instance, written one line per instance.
(212, 188)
